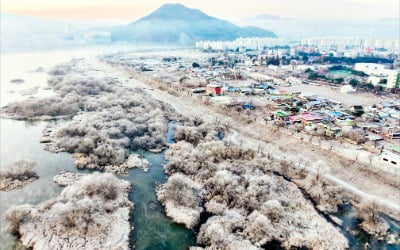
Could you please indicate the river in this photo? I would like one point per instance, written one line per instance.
(152, 228)
(20, 140)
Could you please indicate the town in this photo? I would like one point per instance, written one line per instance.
(335, 98)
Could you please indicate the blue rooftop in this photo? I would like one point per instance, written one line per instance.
(313, 103)
(245, 89)
(335, 113)
(233, 89)
(262, 86)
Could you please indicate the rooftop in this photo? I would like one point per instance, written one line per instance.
(394, 148)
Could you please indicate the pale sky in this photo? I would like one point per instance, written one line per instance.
(128, 10)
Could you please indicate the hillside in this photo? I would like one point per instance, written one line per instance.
(175, 23)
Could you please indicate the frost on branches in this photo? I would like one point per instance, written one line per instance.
(109, 120)
(250, 205)
(91, 213)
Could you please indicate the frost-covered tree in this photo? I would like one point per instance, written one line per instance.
(92, 212)
(17, 175)
(250, 205)
(371, 221)
(182, 198)
(109, 119)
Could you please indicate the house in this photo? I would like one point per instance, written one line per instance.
(198, 90)
(386, 105)
(259, 91)
(369, 68)
(233, 89)
(357, 110)
(279, 92)
(391, 122)
(333, 131)
(231, 75)
(248, 105)
(373, 137)
(295, 119)
(308, 118)
(308, 96)
(336, 114)
(354, 135)
(214, 89)
(373, 127)
(313, 105)
(283, 106)
(392, 133)
(345, 123)
(391, 155)
(280, 115)
(370, 117)
(245, 91)
(263, 86)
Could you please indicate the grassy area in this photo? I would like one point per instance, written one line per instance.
(341, 72)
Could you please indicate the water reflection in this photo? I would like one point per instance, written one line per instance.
(153, 230)
(358, 238)
(20, 140)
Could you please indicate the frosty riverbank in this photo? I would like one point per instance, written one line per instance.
(133, 126)
(92, 212)
(289, 238)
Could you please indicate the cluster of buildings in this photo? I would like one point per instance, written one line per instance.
(233, 81)
(339, 46)
(333, 119)
(243, 44)
(375, 128)
(284, 63)
(351, 42)
(379, 75)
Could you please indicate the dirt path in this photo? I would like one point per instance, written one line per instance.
(352, 176)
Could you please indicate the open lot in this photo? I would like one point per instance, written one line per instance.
(333, 94)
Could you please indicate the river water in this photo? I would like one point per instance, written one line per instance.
(152, 229)
(20, 140)
(358, 238)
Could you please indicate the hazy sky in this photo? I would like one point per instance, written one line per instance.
(128, 10)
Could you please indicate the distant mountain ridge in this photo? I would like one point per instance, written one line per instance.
(295, 28)
(175, 23)
(264, 16)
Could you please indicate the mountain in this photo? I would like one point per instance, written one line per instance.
(21, 33)
(263, 17)
(298, 28)
(177, 24)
